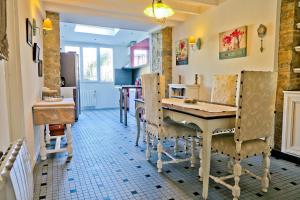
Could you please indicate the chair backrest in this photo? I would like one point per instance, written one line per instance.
(256, 110)
(224, 89)
(153, 92)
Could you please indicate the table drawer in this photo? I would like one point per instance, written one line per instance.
(53, 115)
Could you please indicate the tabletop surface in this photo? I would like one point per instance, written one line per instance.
(64, 102)
(128, 86)
(201, 109)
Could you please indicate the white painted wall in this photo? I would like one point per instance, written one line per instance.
(106, 93)
(226, 16)
(4, 133)
(32, 84)
(23, 86)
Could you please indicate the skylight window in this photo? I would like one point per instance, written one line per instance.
(80, 28)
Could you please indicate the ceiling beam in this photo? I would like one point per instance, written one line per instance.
(135, 6)
(105, 8)
(199, 2)
(82, 15)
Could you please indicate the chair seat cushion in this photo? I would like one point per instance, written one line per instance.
(171, 129)
(225, 144)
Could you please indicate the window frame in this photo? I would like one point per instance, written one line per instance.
(97, 46)
(97, 66)
(113, 74)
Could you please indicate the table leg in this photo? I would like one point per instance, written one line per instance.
(121, 105)
(138, 125)
(193, 152)
(43, 153)
(69, 140)
(206, 153)
(176, 146)
(125, 106)
(47, 134)
(147, 146)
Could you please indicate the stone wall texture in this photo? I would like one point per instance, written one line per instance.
(287, 60)
(52, 53)
(161, 43)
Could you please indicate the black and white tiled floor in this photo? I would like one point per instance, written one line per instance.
(107, 165)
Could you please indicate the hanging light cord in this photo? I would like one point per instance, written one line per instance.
(153, 1)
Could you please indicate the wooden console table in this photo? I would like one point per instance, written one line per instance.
(46, 113)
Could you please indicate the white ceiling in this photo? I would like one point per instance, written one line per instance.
(122, 38)
(124, 14)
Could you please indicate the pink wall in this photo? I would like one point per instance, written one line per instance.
(144, 44)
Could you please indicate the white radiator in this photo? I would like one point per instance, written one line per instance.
(16, 178)
(88, 98)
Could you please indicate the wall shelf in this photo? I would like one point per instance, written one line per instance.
(297, 48)
(184, 91)
(297, 70)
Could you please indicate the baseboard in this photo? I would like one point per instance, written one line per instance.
(285, 156)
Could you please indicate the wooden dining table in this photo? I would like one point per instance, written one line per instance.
(209, 117)
(123, 89)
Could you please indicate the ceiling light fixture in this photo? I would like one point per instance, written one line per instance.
(159, 10)
(80, 28)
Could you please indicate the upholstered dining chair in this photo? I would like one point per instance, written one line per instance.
(254, 128)
(160, 128)
(224, 89)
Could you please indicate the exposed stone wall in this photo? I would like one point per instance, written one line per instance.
(287, 59)
(161, 43)
(52, 53)
(156, 44)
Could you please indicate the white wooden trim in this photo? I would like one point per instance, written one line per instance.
(291, 99)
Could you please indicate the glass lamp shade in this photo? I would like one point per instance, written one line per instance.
(47, 25)
(192, 40)
(159, 10)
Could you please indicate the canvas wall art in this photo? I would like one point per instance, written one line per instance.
(233, 43)
(182, 52)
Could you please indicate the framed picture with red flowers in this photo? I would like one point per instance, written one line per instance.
(233, 43)
(182, 52)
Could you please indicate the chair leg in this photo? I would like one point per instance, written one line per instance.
(153, 143)
(230, 165)
(147, 146)
(193, 152)
(200, 169)
(176, 146)
(237, 171)
(186, 146)
(144, 129)
(265, 177)
(138, 123)
(159, 155)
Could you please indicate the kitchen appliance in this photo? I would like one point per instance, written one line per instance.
(70, 72)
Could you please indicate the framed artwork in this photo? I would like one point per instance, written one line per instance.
(3, 34)
(182, 52)
(40, 68)
(28, 32)
(233, 43)
(36, 53)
